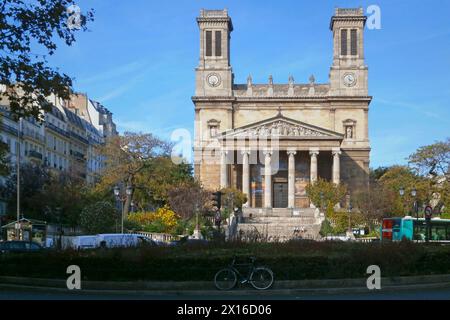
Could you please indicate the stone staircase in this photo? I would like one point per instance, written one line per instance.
(279, 224)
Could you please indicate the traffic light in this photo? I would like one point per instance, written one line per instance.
(217, 199)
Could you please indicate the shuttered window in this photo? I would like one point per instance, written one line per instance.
(208, 43)
(343, 42)
(353, 42)
(218, 43)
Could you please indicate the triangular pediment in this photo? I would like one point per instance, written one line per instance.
(282, 128)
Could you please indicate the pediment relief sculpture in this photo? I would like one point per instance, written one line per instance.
(279, 128)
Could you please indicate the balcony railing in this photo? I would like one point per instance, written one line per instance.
(78, 155)
(34, 154)
(8, 128)
(33, 134)
(80, 138)
(51, 126)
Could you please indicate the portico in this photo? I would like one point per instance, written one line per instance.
(272, 161)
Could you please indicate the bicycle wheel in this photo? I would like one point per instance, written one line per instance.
(261, 278)
(225, 279)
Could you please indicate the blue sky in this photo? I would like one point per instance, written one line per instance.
(139, 56)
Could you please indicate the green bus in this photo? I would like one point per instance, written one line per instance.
(409, 228)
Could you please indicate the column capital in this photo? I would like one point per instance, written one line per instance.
(313, 151)
(336, 151)
(267, 151)
(291, 151)
(245, 151)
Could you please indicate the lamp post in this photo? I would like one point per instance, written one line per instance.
(321, 200)
(19, 134)
(349, 210)
(415, 206)
(122, 199)
(401, 191)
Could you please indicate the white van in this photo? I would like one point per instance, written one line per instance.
(84, 242)
(120, 240)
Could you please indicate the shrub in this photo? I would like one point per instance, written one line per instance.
(324, 193)
(163, 220)
(295, 260)
(326, 228)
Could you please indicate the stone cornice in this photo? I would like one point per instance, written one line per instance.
(283, 99)
(347, 19)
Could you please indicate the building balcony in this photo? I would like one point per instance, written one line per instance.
(80, 138)
(9, 129)
(78, 155)
(54, 128)
(34, 155)
(33, 135)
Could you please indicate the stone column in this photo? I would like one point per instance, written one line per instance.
(336, 165)
(291, 178)
(223, 169)
(246, 175)
(313, 152)
(267, 179)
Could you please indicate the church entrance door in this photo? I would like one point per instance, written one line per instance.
(280, 195)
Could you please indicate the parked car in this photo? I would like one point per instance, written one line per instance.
(16, 246)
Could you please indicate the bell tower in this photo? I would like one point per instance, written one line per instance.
(214, 75)
(348, 73)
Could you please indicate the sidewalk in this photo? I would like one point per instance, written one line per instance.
(208, 289)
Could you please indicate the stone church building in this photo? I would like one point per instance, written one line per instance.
(270, 140)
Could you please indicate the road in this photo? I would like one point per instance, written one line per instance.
(23, 294)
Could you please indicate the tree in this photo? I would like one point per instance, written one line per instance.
(156, 179)
(432, 159)
(4, 168)
(126, 157)
(33, 178)
(28, 34)
(99, 217)
(232, 198)
(327, 194)
(403, 177)
(375, 203)
(64, 197)
(189, 198)
(376, 174)
(44, 195)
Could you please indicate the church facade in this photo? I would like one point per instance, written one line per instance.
(270, 140)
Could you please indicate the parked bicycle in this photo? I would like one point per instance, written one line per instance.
(260, 277)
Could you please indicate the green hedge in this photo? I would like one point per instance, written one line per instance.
(290, 261)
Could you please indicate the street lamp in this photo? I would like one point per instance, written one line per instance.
(401, 191)
(18, 150)
(416, 208)
(129, 191)
(122, 200)
(349, 210)
(321, 200)
(116, 191)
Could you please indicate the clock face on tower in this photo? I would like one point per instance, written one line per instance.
(213, 79)
(349, 79)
